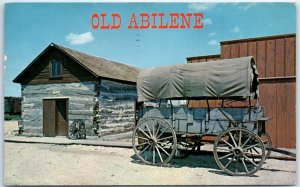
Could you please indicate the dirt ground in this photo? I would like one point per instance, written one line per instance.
(48, 164)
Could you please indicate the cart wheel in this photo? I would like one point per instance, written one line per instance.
(267, 140)
(239, 151)
(77, 130)
(154, 141)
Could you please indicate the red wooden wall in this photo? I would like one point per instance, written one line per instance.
(275, 57)
(196, 59)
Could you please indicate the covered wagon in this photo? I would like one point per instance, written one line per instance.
(166, 127)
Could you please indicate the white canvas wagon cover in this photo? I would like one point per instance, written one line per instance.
(222, 79)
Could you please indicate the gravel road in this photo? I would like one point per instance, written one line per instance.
(48, 164)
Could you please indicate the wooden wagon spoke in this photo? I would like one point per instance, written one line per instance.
(240, 138)
(256, 151)
(245, 166)
(250, 160)
(226, 142)
(141, 144)
(251, 146)
(153, 127)
(163, 150)
(228, 163)
(138, 137)
(158, 152)
(159, 124)
(232, 139)
(225, 156)
(255, 154)
(145, 149)
(151, 147)
(144, 132)
(162, 132)
(236, 165)
(153, 155)
(146, 157)
(249, 138)
(165, 138)
(148, 129)
(221, 148)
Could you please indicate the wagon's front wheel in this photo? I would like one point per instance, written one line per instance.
(239, 151)
(154, 141)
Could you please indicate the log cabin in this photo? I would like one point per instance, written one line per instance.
(62, 86)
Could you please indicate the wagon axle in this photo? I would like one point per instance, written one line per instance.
(238, 151)
(153, 141)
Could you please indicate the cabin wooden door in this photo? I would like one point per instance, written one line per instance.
(49, 117)
(61, 118)
(55, 117)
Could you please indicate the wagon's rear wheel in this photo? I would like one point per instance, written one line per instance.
(154, 141)
(239, 151)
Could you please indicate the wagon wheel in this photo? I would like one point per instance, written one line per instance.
(77, 130)
(154, 141)
(267, 140)
(239, 151)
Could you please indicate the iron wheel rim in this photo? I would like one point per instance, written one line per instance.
(239, 152)
(158, 142)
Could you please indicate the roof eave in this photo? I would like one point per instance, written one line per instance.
(258, 38)
(118, 80)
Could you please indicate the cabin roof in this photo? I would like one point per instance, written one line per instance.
(99, 67)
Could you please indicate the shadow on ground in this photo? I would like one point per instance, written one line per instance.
(193, 160)
(200, 159)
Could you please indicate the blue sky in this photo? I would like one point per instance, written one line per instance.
(31, 27)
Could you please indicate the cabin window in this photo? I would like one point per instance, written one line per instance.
(55, 69)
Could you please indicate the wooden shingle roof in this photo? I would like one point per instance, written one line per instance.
(99, 67)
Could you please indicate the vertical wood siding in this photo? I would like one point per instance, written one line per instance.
(276, 61)
(274, 56)
(202, 58)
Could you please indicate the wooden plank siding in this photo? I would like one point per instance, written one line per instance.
(261, 58)
(225, 51)
(243, 49)
(275, 58)
(291, 117)
(279, 57)
(278, 98)
(234, 50)
(290, 58)
(276, 63)
(203, 58)
(270, 58)
(71, 71)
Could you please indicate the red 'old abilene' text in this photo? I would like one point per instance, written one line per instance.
(149, 21)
